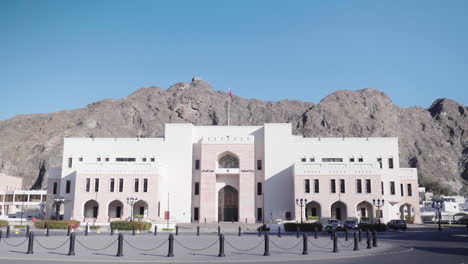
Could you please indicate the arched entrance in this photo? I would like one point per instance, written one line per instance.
(339, 211)
(228, 204)
(406, 212)
(140, 208)
(228, 161)
(313, 209)
(115, 209)
(364, 211)
(91, 209)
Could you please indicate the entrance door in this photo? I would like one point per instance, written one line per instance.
(95, 211)
(363, 212)
(118, 211)
(228, 204)
(338, 213)
(142, 210)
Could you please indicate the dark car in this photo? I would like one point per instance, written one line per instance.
(397, 224)
(350, 224)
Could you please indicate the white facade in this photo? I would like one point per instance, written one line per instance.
(230, 173)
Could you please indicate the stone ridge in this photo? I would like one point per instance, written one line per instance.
(434, 140)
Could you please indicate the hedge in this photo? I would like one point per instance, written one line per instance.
(128, 225)
(3, 223)
(54, 224)
(306, 227)
(93, 227)
(377, 227)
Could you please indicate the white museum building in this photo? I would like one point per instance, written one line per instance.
(247, 174)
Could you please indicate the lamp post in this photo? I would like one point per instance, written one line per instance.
(301, 203)
(131, 201)
(378, 203)
(438, 204)
(58, 201)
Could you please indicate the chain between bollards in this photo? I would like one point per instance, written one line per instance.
(356, 242)
(170, 250)
(71, 251)
(31, 243)
(369, 244)
(335, 243)
(221, 246)
(120, 245)
(304, 244)
(374, 238)
(267, 245)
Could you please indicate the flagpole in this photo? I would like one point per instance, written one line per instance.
(229, 109)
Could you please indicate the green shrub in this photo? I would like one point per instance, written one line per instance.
(377, 227)
(305, 227)
(365, 218)
(94, 227)
(310, 217)
(53, 224)
(3, 223)
(139, 216)
(167, 229)
(128, 225)
(19, 226)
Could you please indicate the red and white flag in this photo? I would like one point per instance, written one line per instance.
(230, 92)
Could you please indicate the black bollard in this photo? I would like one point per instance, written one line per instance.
(68, 230)
(198, 230)
(259, 232)
(335, 244)
(331, 234)
(279, 231)
(71, 251)
(86, 229)
(304, 244)
(240, 231)
(219, 230)
(297, 231)
(315, 232)
(111, 231)
(177, 230)
(374, 238)
(359, 235)
(133, 230)
(1, 234)
(356, 242)
(267, 246)
(155, 229)
(31, 243)
(7, 232)
(27, 231)
(170, 252)
(369, 244)
(120, 245)
(47, 230)
(346, 234)
(221, 246)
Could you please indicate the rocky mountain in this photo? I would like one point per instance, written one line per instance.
(434, 140)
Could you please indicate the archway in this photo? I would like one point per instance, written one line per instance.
(339, 211)
(406, 211)
(91, 209)
(364, 211)
(313, 209)
(228, 204)
(228, 161)
(140, 208)
(115, 209)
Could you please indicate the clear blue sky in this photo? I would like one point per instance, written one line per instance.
(58, 55)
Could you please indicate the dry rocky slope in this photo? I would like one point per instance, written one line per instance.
(434, 140)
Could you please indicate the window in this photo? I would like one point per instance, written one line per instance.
(259, 188)
(368, 186)
(259, 214)
(401, 189)
(121, 183)
(351, 159)
(54, 191)
(379, 160)
(382, 187)
(195, 214)
(70, 162)
(359, 186)
(287, 215)
(153, 159)
(68, 187)
(390, 163)
(197, 164)
(107, 159)
(316, 186)
(197, 188)
(312, 159)
(112, 185)
(88, 184)
(259, 164)
(125, 159)
(137, 185)
(303, 159)
(96, 185)
(332, 160)
(392, 188)
(80, 159)
(342, 186)
(143, 159)
(145, 185)
(98, 159)
(333, 186)
(361, 159)
(410, 192)
(307, 186)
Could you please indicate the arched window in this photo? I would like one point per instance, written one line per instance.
(228, 162)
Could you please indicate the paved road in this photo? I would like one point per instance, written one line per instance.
(418, 245)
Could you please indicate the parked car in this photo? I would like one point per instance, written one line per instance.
(397, 224)
(350, 224)
(333, 224)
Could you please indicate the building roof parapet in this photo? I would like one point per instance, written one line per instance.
(228, 140)
(299, 139)
(136, 139)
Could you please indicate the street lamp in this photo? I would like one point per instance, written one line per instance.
(438, 204)
(379, 203)
(301, 203)
(131, 201)
(58, 201)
